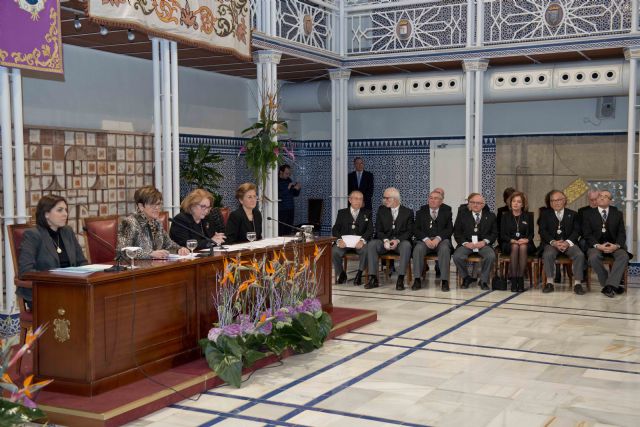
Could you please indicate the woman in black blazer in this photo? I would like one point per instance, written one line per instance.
(246, 218)
(50, 244)
(197, 220)
(516, 238)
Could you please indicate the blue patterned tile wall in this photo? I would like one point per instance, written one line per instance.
(489, 172)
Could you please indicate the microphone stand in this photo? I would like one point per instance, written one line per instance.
(210, 243)
(303, 237)
(118, 256)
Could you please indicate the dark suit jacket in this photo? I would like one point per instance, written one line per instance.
(38, 252)
(366, 186)
(442, 226)
(344, 222)
(508, 227)
(210, 225)
(403, 226)
(548, 224)
(501, 211)
(465, 223)
(238, 225)
(592, 227)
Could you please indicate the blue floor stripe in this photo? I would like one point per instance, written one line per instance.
(348, 358)
(600, 359)
(394, 299)
(226, 415)
(394, 359)
(541, 362)
(412, 295)
(312, 409)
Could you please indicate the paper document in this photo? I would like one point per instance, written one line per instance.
(83, 269)
(474, 239)
(351, 240)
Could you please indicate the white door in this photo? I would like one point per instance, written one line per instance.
(447, 171)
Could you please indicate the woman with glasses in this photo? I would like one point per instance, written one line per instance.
(247, 219)
(198, 220)
(144, 229)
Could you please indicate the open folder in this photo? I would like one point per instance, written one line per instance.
(350, 240)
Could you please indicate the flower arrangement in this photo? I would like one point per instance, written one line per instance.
(265, 305)
(19, 407)
(263, 151)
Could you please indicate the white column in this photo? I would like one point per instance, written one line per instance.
(167, 188)
(18, 140)
(342, 33)
(157, 114)
(634, 16)
(175, 128)
(339, 139)
(267, 81)
(469, 76)
(7, 183)
(478, 131)
(632, 55)
(474, 91)
(479, 22)
(471, 20)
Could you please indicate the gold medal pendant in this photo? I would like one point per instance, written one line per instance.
(59, 250)
(604, 230)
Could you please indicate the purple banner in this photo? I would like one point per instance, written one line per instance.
(30, 36)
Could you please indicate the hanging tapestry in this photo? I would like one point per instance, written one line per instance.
(30, 36)
(218, 25)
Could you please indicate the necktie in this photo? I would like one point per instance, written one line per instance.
(604, 215)
(477, 218)
(354, 214)
(359, 174)
(434, 214)
(559, 216)
(394, 213)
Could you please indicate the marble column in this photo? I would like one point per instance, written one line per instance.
(339, 139)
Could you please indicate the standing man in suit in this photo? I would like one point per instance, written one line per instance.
(354, 220)
(559, 232)
(605, 235)
(475, 230)
(432, 229)
(362, 181)
(394, 229)
(287, 190)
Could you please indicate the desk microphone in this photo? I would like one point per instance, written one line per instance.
(108, 245)
(284, 223)
(210, 243)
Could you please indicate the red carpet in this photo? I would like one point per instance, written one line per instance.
(132, 401)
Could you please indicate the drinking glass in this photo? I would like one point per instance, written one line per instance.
(191, 245)
(131, 253)
(251, 236)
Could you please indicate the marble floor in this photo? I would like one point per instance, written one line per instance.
(462, 358)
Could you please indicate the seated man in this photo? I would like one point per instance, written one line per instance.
(592, 197)
(475, 231)
(432, 229)
(351, 221)
(604, 233)
(394, 229)
(559, 232)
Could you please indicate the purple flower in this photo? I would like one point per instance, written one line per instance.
(311, 305)
(232, 330)
(265, 329)
(214, 333)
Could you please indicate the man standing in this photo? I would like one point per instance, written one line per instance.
(605, 235)
(475, 230)
(432, 229)
(559, 231)
(287, 190)
(362, 181)
(354, 220)
(394, 229)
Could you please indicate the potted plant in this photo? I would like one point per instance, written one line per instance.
(199, 170)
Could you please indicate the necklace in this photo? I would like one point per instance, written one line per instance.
(58, 248)
(517, 221)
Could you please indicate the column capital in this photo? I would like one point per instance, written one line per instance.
(266, 57)
(339, 74)
(632, 53)
(475, 64)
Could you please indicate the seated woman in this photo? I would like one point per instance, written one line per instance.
(144, 229)
(516, 238)
(50, 244)
(196, 219)
(247, 218)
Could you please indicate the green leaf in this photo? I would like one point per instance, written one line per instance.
(325, 324)
(230, 370)
(12, 414)
(251, 357)
(307, 323)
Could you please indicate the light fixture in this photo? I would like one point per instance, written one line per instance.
(103, 30)
(76, 23)
(131, 36)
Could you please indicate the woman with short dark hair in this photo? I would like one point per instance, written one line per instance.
(144, 229)
(247, 218)
(51, 243)
(516, 238)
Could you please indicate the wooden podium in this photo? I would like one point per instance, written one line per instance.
(110, 329)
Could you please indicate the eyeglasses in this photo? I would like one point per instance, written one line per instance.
(476, 203)
(205, 207)
(557, 200)
(386, 197)
(156, 206)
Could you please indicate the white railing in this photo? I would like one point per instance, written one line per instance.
(305, 22)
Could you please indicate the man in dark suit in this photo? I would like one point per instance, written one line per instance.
(394, 229)
(432, 229)
(362, 181)
(605, 234)
(592, 197)
(559, 232)
(444, 207)
(354, 220)
(475, 230)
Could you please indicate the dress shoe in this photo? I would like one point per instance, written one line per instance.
(417, 284)
(619, 289)
(520, 281)
(372, 283)
(437, 271)
(578, 289)
(400, 283)
(357, 281)
(514, 284)
(342, 278)
(547, 288)
(466, 282)
(609, 291)
(445, 286)
(484, 286)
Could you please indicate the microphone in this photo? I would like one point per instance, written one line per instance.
(108, 245)
(284, 223)
(210, 243)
